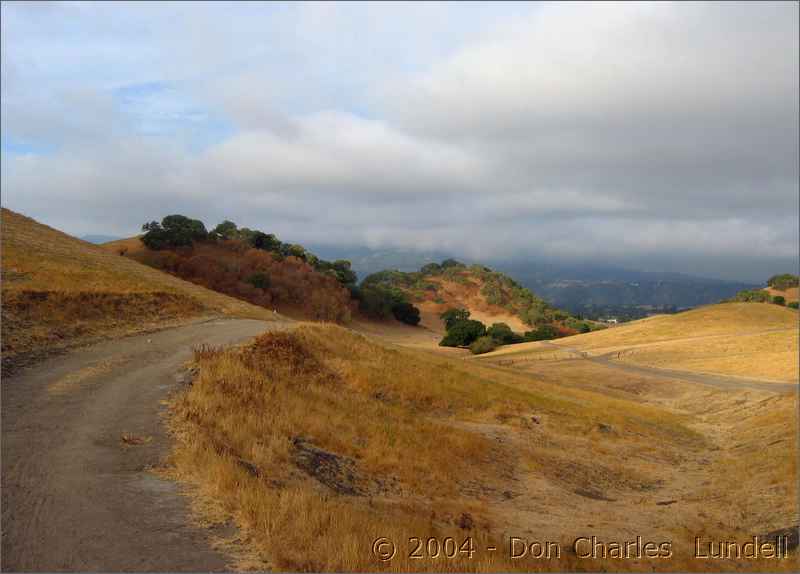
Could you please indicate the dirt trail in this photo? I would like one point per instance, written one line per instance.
(79, 433)
(715, 380)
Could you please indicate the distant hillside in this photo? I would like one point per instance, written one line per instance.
(58, 291)
(596, 291)
(780, 290)
(591, 290)
(490, 296)
(741, 339)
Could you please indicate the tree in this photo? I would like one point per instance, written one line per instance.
(431, 269)
(375, 302)
(344, 273)
(265, 241)
(259, 280)
(542, 333)
(463, 333)
(503, 335)
(793, 305)
(453, 316)
(447, 263)
(225, 230)
(173, 231)
(297, 251)
(779, 300)
(484, 344)
(753, 296)
(783, 281)
(406, 313)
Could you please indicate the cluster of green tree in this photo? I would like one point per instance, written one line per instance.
(177, 231)
(461, 331)
(783, 281)
(380, 302)
(758, 296)
(498, 289)
(414, 283)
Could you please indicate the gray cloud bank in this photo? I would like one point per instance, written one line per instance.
(642, 134)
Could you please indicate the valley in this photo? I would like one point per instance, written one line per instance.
(258, 438)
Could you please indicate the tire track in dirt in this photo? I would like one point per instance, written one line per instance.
(75, 495)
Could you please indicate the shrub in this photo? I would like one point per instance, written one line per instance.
(382, 303)
(431, 269)
(503, 335)
(543, 333)
(448, 263)
(339, 269)
(793, 305)
(482, 345)
(783, 281)
(406, 313)
(463, 333)
(453, 316)
(779, 300)
(752, 296)
(259, 280)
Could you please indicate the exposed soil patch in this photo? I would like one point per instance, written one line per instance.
(334, 471)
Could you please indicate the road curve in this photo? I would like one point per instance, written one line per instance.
(75, 496)
(714, 380)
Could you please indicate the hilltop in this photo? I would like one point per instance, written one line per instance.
(58, 291)
(247, 264)
(489, 296)
(592, 289)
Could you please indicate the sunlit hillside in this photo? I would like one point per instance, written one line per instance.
(489, 296)
(758, 340)
(58, 290)
(323, 434)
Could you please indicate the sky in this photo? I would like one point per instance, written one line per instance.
(654, 136)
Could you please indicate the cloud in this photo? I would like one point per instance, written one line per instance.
(628, 132)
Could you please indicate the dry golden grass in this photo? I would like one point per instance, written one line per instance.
(464, 295)
(770, 355)
(791, 294)
(58, 290)
(318, 441)
(741, 339)
(721, 319)
(127, 246)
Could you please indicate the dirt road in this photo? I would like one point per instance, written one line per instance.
(714, 380)
(78, 435)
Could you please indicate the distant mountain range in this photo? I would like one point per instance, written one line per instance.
(592, 290)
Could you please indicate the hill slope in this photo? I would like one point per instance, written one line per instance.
(289, 285)
(306, 435)
(490, 296)
(58, 291)
(757, 340)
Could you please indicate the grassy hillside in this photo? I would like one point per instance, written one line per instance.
(490, 296)
(247, 264)
(58, 290)
(288, 284)
(757, 340)
(790, 293)
(320, 434)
